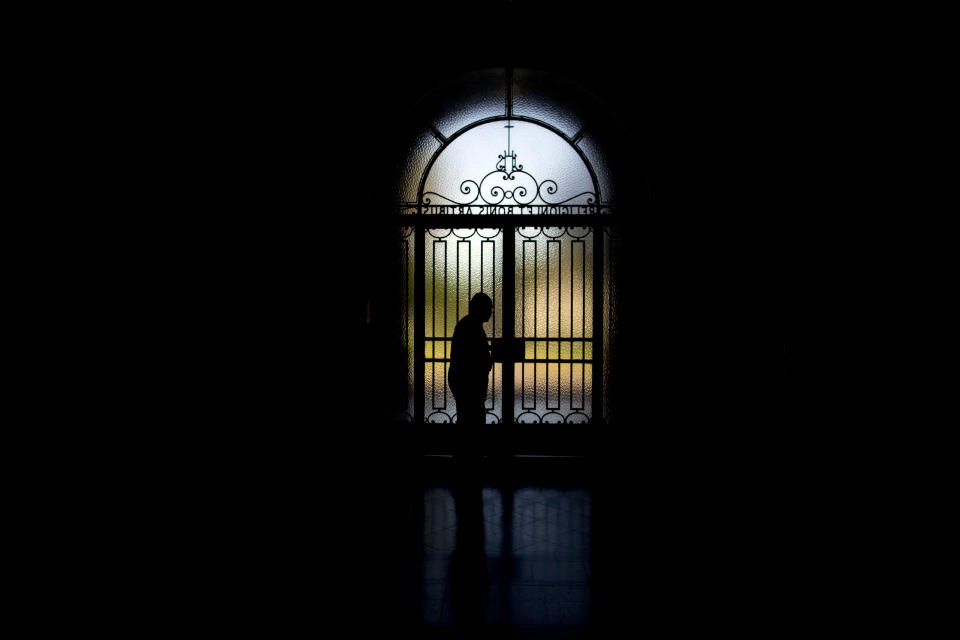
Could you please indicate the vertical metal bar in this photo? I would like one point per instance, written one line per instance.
(492, 292)
(457, 313)
(554, 291)
(583, 323)
(446, 289)
(536, 304)
(523, 325)
(509, 318)
(446, 317)
(493, 318)
(442, 283)
(493, 286)
(419, 321)
(546, 367)
(598, 337)
(573, 287)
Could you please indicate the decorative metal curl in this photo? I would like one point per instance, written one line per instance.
(551, 188)
(577, 233)
(577, 418)
(490, 417)
(553, 417)
(495, 194)
(496, 418)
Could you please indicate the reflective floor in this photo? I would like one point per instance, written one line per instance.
(513, 559)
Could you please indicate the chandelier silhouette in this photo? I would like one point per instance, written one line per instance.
(525, 191)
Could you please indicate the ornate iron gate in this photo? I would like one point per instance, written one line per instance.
(542, 261)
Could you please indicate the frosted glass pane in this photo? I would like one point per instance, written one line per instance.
(546, 170)
(553, 290)
(553, 386)
(548, 393)
(458, 263)
(472, 97)
(553, 350)
(419, 152)
(554, 307)
(552, 99)
(601, 149)
(554, 284)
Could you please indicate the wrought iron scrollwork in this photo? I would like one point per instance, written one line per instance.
(442, 417)
(554, 233)
(522, 192)
(552, 417)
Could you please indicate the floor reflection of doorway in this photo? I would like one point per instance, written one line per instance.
(536, 550)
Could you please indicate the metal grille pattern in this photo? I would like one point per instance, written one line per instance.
(554, 316)
(458, 264)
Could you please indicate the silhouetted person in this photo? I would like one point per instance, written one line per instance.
(470, 363)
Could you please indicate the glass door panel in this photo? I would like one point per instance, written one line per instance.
(457, 264)
(554, 318)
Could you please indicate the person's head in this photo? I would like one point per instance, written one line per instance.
(481, 307)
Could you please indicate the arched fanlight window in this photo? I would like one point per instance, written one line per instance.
(508, 189)
(496, 153)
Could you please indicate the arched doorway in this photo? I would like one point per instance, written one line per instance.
(513, 199)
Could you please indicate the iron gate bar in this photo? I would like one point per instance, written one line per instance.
(559, 284)
(598, 328)
(508, 320)
(523, 320)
